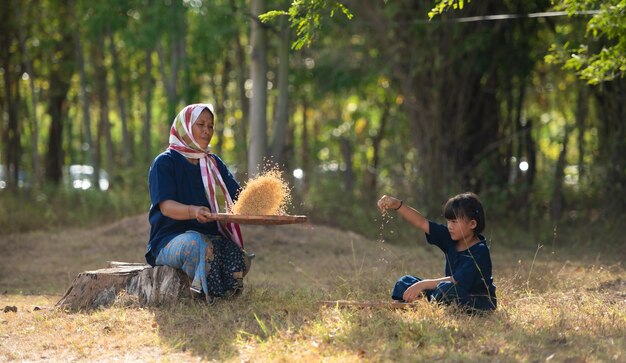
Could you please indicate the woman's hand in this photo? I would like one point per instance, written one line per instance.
(387, 202)
(414, 291)
(185, 212)
(201, 214)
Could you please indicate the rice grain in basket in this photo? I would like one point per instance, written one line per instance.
(266, 194)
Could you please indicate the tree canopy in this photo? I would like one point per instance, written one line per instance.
(361, 97)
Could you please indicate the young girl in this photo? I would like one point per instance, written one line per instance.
(468, 281)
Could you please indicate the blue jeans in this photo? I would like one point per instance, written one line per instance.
(213, 263)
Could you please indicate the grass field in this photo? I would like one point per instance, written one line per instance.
(556, 303)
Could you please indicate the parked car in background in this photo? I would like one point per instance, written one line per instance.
(74, 176)
(23, 180)
(81, 177)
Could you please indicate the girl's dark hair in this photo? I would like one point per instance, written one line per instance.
(466, 205)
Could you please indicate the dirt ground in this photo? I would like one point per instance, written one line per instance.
(40, 263)
(46, 262)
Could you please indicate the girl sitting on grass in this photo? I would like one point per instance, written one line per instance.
(468, 281)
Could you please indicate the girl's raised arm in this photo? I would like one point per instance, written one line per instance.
(410, 214)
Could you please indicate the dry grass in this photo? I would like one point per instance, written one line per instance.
(266, 194)
(557, 307)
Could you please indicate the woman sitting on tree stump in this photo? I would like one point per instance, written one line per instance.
(187, 184)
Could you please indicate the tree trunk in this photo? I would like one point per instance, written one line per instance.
(582, 110)
(220, 96)
(258, 102)
(282, 108)
(127, 156)
(176, 42)
(11, 135)
(611, 97)
(60, 78)
(28, 64)
(85, 98)
(371, 172)
(224, 92)
(104, 126)
(125, 284)
(147, 122)
(304, 144)
(348, 174)
(530, 147)
(170, 89)
(558, 198)
(241, 133)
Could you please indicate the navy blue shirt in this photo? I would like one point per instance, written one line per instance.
(470, 268)
(173, 177)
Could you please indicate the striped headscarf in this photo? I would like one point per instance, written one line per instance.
(182, 141)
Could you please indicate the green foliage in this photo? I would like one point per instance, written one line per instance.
(601, 56)
(438, 84)
(328, 203)
(306, 17)
(56, 207)
(443, 5)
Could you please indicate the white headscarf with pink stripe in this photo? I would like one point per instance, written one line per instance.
(182, 141)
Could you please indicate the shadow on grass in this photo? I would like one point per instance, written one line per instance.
(269, 324)
(221, 330)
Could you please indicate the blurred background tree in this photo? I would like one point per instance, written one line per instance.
(351, 99)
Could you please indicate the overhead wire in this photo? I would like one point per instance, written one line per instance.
(471, 19)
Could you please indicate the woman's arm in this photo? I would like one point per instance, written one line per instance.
(181, 212)
(411, 215)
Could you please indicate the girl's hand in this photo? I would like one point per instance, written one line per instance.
(386, 202)
(413, 292)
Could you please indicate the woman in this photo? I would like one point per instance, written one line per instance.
(187, 184)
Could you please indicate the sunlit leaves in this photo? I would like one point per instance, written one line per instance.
(306, 17)
(601, 56)
(443, 5)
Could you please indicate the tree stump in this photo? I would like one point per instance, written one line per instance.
(125, 284)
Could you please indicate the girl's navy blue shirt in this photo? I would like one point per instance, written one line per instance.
(173, 177)
(471, 268)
